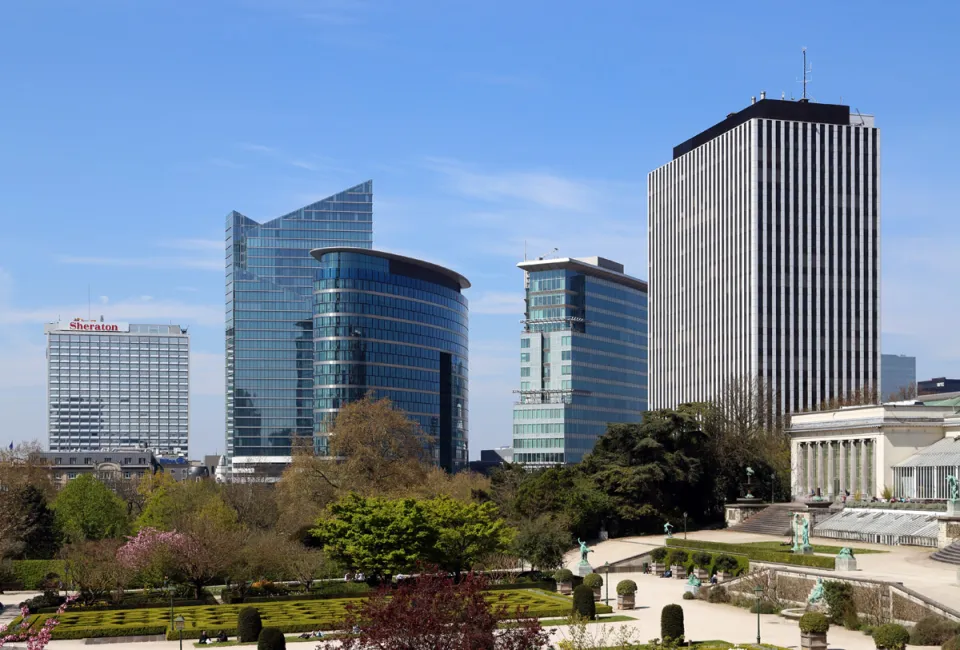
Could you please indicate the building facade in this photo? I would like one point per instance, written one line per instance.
(764, 257)
(898, 372)
(269, 323)
(117, 385)
(938, 385)
(109, 466)
(583, 357)
(397, 327)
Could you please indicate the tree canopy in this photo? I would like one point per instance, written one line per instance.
(86, 509)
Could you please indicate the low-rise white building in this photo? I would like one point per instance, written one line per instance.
(862, 449)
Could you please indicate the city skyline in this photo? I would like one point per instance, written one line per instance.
(512, 136)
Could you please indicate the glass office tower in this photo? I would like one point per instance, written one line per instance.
(397, 327)
(118, 385)
(269, 323)
(583, 357)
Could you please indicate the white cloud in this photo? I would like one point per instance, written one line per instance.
(498, 302)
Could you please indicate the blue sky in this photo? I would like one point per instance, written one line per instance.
(128, 130)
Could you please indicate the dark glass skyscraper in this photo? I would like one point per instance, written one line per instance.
(269, 322)
(397, 327)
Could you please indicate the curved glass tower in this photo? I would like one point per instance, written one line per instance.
(397, 327)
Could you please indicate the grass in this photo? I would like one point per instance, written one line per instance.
(817, 548)
(290, 616)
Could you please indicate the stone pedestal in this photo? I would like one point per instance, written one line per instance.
(584, 569)
(739, 512)
(693, 589)
(948, 529)
(813, 641)
(953, 507)
(845, 564)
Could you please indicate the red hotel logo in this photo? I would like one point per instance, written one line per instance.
(94, 327)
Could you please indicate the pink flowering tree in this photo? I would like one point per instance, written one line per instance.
(36, 639)
(152, 553)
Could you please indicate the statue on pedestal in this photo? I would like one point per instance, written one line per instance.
(668, 529)
(815, 600)
(693, 580)
(583, 551)
(749, 475)
(953, 488)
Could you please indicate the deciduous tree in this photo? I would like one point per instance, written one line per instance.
(464, 532)
(542, 541)
(86, 509)
(28, 528)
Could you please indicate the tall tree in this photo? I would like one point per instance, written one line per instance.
(171, 505)
(464, 533)
(542, 541)
(31, 525)
(86, 509)
(23, 465)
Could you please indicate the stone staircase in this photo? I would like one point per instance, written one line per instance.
(773, 520)
(949, 554)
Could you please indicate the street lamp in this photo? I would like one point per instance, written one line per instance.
(606, 566)
(684, 524)
(178, 625)
(773, 480)
(758, 591)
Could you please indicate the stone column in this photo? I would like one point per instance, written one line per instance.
(811, 468)
(865, 484)
(843, 465)
(830, 476)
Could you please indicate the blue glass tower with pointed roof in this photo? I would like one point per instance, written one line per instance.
(269, 324)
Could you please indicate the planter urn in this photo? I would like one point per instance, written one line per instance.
(596, 594)
(813, 640)
(565, 588)
(626, 601)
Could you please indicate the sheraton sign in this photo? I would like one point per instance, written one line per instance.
(94, 326)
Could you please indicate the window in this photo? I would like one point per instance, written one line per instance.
(126, 475)
(546, 356)
(140, 461)
(73, 461)
(564, 370)
(524, 343)
(88, 461)
(56, 461)
(565, 340)
(524, 372)
(565, 355)
(524, 385)
(71, 475)
(524, 357)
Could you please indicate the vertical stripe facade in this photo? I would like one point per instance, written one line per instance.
(764, 263)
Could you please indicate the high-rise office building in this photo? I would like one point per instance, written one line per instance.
(396, 327)
(117, 386)
(764, 251)
(583, 357)
(269, 323)
(897, 372)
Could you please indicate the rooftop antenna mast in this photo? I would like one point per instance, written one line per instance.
(806, 70)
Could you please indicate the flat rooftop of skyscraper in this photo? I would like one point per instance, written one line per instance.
(600, 267)
(778, 109)
(450, 274)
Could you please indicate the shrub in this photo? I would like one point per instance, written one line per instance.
(671, 623)
(867, 629)
(701, 559)
(33, 573)
(725, 563)
(626, 587)
(891, 636)
(249, 624)
(766, 607)
(933, 630)
(951, 644)
(563, 575)
(593, 580)
(659, 554)
(688, 596)
(583, 603)
(839, 598)
(814, 623)
(677, 557)
(718, 594)
(271, 639)
(753, 553)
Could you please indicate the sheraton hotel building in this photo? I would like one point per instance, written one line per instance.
(316, 319)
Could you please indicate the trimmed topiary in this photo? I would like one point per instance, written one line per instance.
(677, 557)
(626, 587)
(933, 630)
(891, 636)
(563, 575)
(701, 559)
(726, 563)
(249, 625)
(583, 603)
(688, 596)
(659, 554)
(593, 580)
(671, 623)
(271, 638)
(814, 623)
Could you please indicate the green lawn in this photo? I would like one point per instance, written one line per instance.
(290, 616)
(817, 548)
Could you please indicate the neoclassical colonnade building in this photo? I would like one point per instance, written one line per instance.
(908, 447)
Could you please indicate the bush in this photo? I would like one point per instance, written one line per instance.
(766, 607)
(891, 636)
(933, 630)
(951, 644)
(702, 559)
(839, 598)
(659, 554)
(677, 557)
(563, 575)
(718, 594)
(867, 629)
(593, 580)
(671, 623)
(271, 639)
(688, 596)
(249, 625)
(583, 603)
(753, 553)
(814, 623)
(33, 573)
(626, 587)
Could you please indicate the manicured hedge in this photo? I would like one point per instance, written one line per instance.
(755, 554)
(32, 573)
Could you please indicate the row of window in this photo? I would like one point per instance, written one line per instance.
(119, 339)
(537, 414)
(428, 337)
(538, 457)
(435, 305)
(519, 429)
(349, 311)
(388, 283)
(538, 443)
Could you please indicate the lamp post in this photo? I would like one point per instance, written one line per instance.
(178, 625)
(758, 591)
(684, 524)
(773, 481)
(606, 566)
